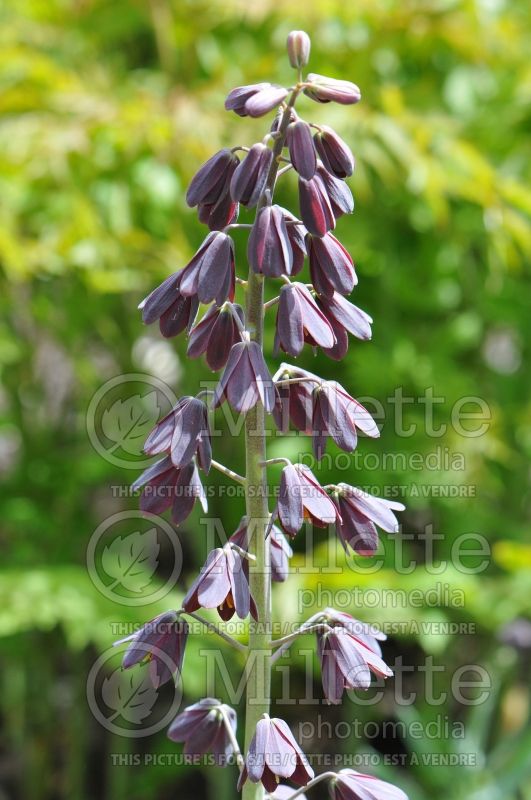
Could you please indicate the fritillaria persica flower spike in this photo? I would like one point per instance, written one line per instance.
(326, 90)
(216, 333)
(273, 754)
(184, 432)
(222, 584)
(203, 729)
(361, 513)
(163, 485)
(351, 785)
(159, 643)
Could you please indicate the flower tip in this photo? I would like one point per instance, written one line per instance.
(298, 45)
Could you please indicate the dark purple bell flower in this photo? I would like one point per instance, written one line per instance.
(361, 513)
(351, 785)
(170, 307)
(300, 320)
(266, 100)
(215, 334)
(203, 729)
(366, 634)
(210, 273)
(331, 267)
(346, 663)
(269, 247)
(246, 379)
(301, 497)
(222, 584)
(159, 643)
(337, 414)
(335, 154)
(237, 98)
(301, 149)
(163, 485)
(325, 90)
(273, 754)
(183, 433)
(212, 179)
(219, 214)
(249, 179)
(315, 207)
(296, 234)
(280, 551)
(344, 318)
(294, 401)
(339, 194)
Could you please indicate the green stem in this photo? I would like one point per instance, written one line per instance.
(258, 668)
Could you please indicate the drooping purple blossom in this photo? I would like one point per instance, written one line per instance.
(264, 101)
(315, 207)
(163, 485)
(183, 433)
(210, 273)
(273, 754)
(216, 333)
(338, 192)
(280, 551)
(269, 248)
(218, 215)
(335, 154)
(351, 785)
(203, 729)
(245, 380)
(294, 401)
(300, 320)
(296, 234)
(331, 267)
(250, 176)
(237, 98)
(222, 584)
(210, 182)
(301, 148)
(159, 643)
(344, 318)
(337, 414)
(301, 497)
(367, 634)
(361, 514)
(170, 307)
(325, 90)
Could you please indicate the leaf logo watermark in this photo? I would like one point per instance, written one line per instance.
(132, 560)
(128, 422)
(129, 697)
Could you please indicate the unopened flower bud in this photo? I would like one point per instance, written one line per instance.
(325, 90)
(298, 45)
(301, 149)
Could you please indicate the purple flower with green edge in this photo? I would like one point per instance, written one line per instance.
(222, 584)
(300, 498)
(298, 45)
(163, 485)
(245, 380)
(344, 318)
(250, 177)
(331, 267)
(210, 274)
(300, 320)
(237, 98)
(301, 149)
(337, 414)
(264, 101)
(269, 247)
(361, 514)
(273, 754)
(338, 192)
(346, 663)
(170, 307)
(326, 90)
(296, 234)
(203, 730)
(220, 214)
(335, 154)
(216, 333)
(210, 182)
(315, 207)
(351, 785)
(159, 643)
(183, 433)
(280, 551)
(367, 634)
(294, 401)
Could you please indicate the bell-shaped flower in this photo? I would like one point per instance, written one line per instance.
(367, 634)
(164, 485)
(212, 179)
(344, 318)
(351, 785)
(337, 414)
(170, 307)
(335, 154)
(301, 148)
(338, 193)
(218, 215)
(273, 754)
(237, 98)
(215, 334)
(331, 267)
(315, 207)
(346, 663)
(245, 380)
(326, 90)
(280, 551)
(210, 274)
(301, 497)
(300, 320)
(159, 643)
(296, 234)
(250, 177)
(222, 584)
(183, 433)
(294, 401)
(269, 248)
(203, 729)
(361, 514)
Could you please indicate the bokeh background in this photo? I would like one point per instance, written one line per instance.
(107, 109)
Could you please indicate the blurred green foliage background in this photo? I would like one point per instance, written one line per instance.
(107, 109)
